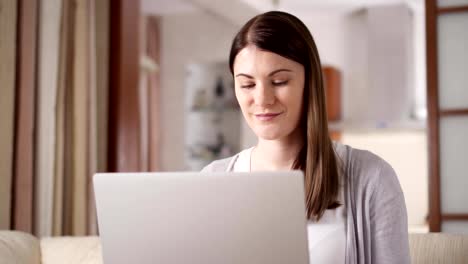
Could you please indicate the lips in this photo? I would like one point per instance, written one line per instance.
(267, 116)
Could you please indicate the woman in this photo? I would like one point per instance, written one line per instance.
(355, 206)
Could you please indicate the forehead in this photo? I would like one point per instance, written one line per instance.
(254, 61)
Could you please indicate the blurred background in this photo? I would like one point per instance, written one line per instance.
(106, 86)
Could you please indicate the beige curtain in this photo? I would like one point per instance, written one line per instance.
(23, 172)
(64, 77)
(71, 154)
(48, 46)
(102, 8)
(78, 153)
(62, 116)
(58, 128)
(8, 19)
(81, 120)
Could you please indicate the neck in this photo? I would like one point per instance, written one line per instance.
(277, 154)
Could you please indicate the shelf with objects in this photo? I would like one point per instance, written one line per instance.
(213, 117)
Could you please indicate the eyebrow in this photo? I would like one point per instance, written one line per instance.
(270, 74)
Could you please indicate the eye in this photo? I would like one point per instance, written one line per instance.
(279, 83)
(247, 86)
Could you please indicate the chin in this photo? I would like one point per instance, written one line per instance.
(269, 134)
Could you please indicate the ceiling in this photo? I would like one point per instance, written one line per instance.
(308, 4)
(164, 7)
(329, 6)
(299, 7)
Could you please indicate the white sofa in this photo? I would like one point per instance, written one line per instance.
(21, 248)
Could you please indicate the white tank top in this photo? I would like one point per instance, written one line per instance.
(326, 237)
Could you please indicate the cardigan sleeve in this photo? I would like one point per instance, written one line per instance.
(208, 168)
(219, 165)
(388, 219)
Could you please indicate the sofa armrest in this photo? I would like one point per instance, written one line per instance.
(438, 248)
(19, 248)
(71, 250)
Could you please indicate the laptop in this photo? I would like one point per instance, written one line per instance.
(202, 218)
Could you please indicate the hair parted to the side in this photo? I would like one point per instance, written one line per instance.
(285, 35)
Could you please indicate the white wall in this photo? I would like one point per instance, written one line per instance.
(378, 74)
(186, 38)
(328, 32)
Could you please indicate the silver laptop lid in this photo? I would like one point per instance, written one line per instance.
(202, 217)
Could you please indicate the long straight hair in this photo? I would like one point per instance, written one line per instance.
(285, 35)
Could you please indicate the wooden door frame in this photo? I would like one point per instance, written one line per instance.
(434, 114)
(124, 121)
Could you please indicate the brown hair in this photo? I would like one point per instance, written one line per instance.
(285, 35)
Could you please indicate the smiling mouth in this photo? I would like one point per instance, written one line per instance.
(267, 117)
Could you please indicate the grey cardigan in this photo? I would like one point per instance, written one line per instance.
(377, 228)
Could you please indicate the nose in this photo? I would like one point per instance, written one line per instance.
(264, 95)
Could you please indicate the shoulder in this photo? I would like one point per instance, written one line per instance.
(226, 164)
(366, 171)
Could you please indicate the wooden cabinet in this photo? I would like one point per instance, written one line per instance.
(332, 82)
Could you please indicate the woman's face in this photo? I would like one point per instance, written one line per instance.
(269, 89)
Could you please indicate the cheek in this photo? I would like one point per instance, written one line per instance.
(242, 98)
(293, 101)
(297, 101)
(243, 102)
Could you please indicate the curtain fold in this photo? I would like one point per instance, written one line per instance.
(91, 218)
(23, 189)
(80, 86)
(48, 41)
(75, 210)
(101, 33)
(75, 154)
(62, 160)
(8, 24)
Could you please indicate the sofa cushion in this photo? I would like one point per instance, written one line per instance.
(438, 248)
(19, 248)
(73, 250)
